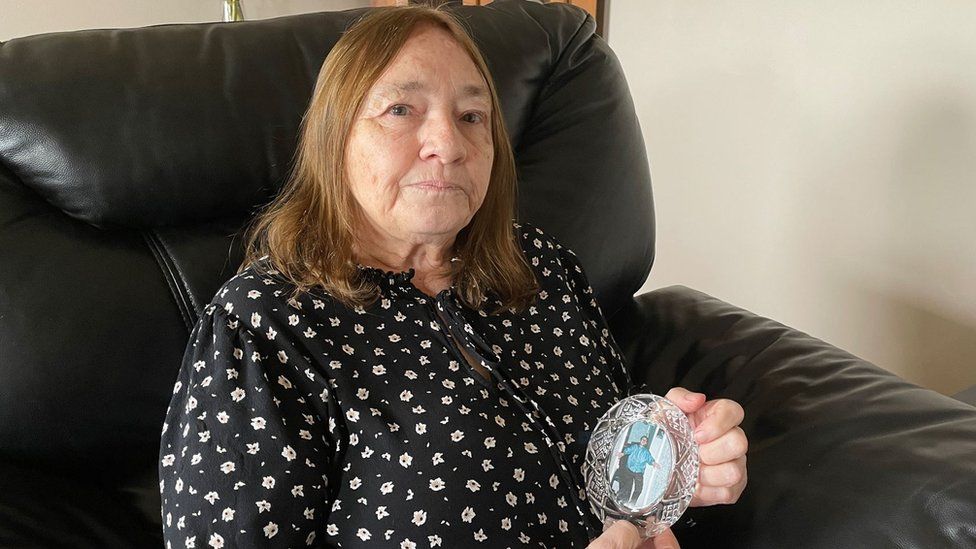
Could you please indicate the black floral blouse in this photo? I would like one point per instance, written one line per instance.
(299, 423)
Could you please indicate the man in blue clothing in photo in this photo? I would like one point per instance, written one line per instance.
(632, 474)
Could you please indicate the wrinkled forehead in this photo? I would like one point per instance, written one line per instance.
(423, 85)
(429, 60)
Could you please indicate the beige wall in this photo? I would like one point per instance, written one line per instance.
(25, 17)
(814, 162)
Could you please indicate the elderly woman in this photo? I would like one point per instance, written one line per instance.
(397, 363)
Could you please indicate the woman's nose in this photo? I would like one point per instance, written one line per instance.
(441, 137)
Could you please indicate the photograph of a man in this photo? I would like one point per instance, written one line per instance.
(631, 474)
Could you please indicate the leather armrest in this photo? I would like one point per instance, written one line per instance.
(43, 509)
(842, 453)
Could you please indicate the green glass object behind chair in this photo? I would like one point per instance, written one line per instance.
(233, 11)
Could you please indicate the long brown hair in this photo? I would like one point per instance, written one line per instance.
(307, 231)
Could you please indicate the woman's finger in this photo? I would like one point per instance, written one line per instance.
(688, 401)
(728, 447)
(715, 495)
(725, 474)
(718, 495)
(716, 418)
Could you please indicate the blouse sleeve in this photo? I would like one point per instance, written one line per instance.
(247, 442)
(594, 318)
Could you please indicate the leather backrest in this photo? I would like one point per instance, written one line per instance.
(130, 159)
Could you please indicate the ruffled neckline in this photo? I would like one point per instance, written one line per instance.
(402, 277)
(400, 280)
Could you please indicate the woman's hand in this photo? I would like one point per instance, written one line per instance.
(623, 535)
(722, 446)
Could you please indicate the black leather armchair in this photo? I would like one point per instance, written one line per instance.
(131, 159)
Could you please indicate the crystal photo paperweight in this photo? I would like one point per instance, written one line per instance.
(642, 463)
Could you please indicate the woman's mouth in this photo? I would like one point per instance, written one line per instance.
(436, 186)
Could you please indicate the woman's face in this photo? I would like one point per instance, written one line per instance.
(420, 153)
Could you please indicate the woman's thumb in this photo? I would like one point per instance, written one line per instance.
(619, 535)
(664, 540)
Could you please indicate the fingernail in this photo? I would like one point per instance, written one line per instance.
(700, 435)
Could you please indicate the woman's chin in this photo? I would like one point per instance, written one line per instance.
(437, 225)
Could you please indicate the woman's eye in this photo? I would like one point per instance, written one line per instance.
(399, 110)
(473, 117)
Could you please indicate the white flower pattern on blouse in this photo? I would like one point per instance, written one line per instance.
(298, 423)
